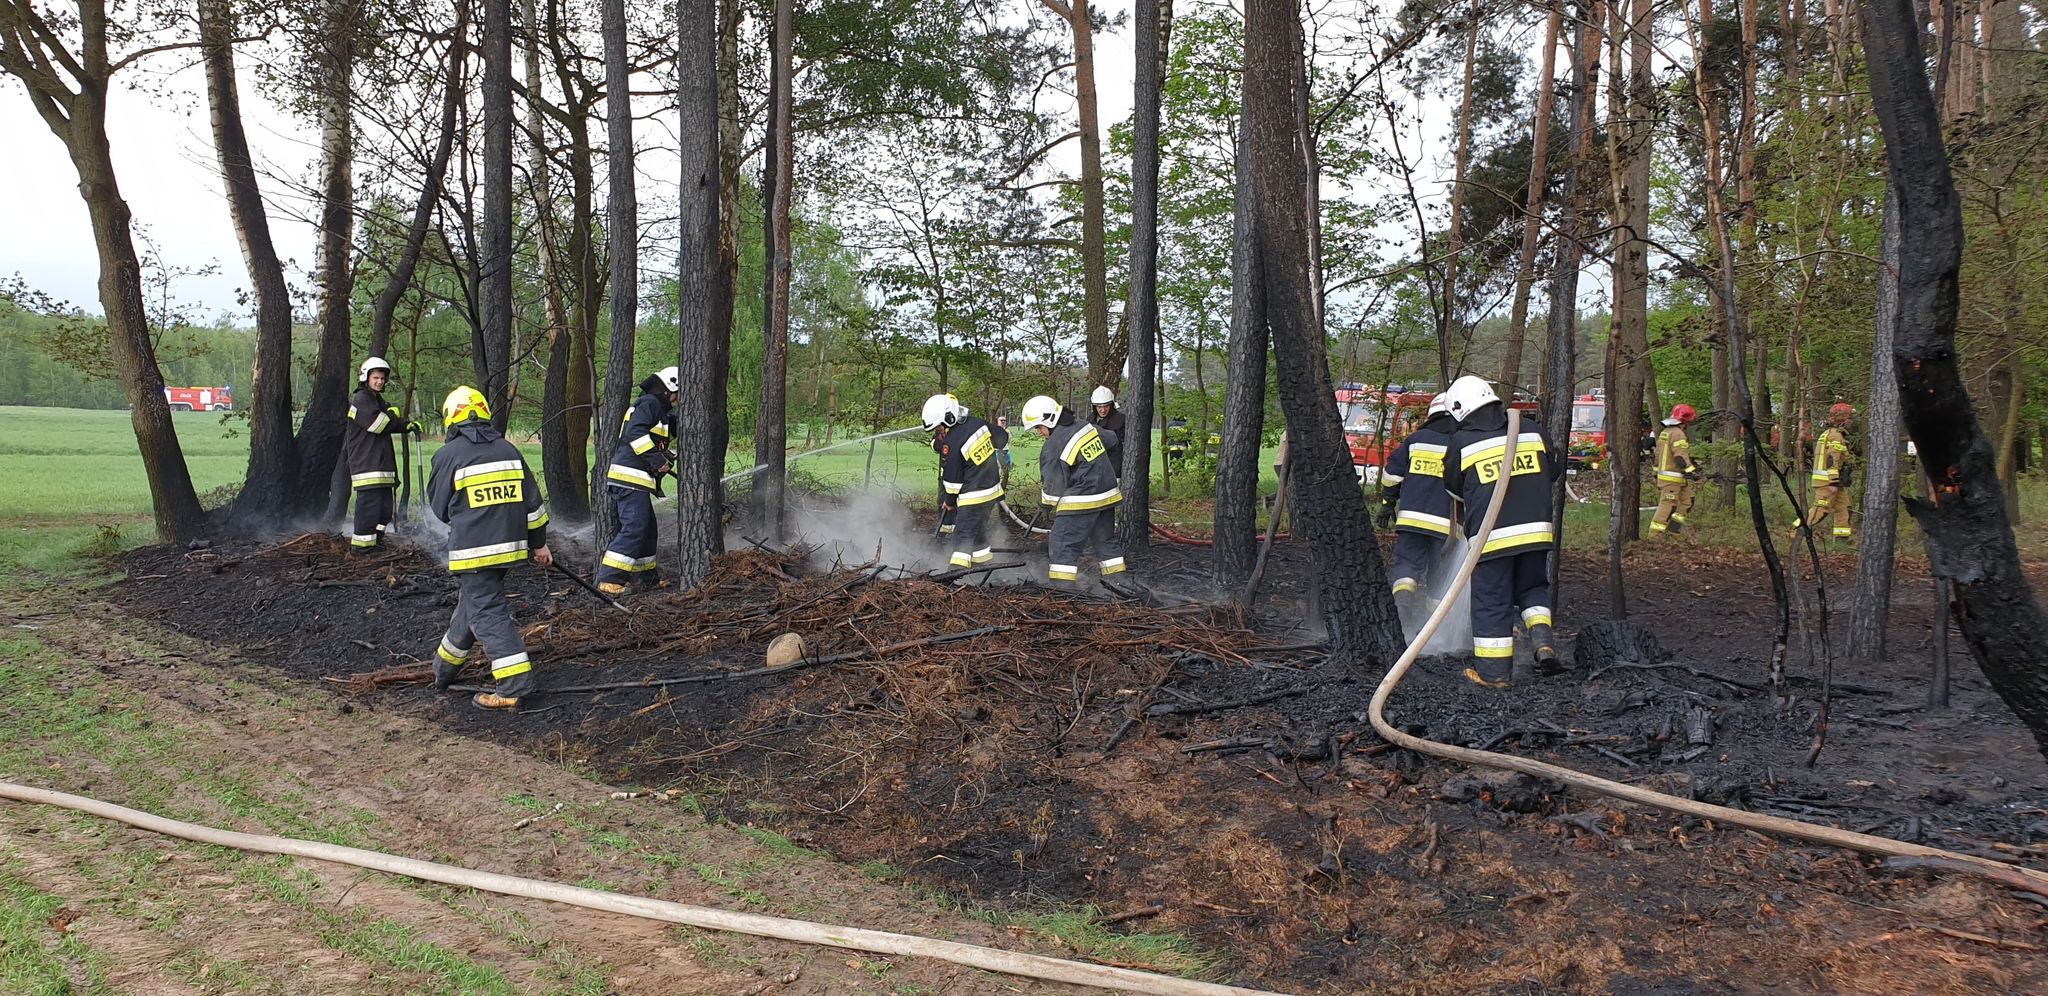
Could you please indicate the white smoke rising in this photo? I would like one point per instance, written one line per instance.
(867, 525)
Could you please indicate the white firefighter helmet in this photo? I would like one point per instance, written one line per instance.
(373, 363)
(1468, 394)
(1102, 396)
(940, 410)
(1440, 403)
(959, 409)
(1041, 411)
(670, 378)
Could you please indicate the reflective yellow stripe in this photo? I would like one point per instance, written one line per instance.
(487, 556)
(1657, 527)
(952, 487)
(642, 445)
(982, 497)
(1671, 475)
(1084, 503)
(537, 518)
(983, 555)
(377, 424)
(1493, 646)
(1509, 537)
(470, 474)
(1069, 452)
(507, 667)
(494, 477)
(961, 558)
(1389, 477)
(452, 655)
(1536, 616)
(1114, 565)
(630, 475)
(1424, 521)
(362, 541)
(1062, 572)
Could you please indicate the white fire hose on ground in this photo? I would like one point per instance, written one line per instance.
(2012, 874)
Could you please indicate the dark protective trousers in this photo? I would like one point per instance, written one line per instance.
(631, 554)
(970, 535)
(1074, 534)
(1413, 555)
(948, 515)
(481, 613)
(1501, 586)
(374, 508)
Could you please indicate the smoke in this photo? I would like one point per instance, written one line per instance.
(864, 526)
(1455, 635)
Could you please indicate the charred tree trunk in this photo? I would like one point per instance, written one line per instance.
(698, 288)
(563, 488)
(1532, 222)
(70, 93)
(718, 421)
(1244, 396)
(1357, 607)
(1631, 327)
(1969, 537)
(319, 437)
(771, 428)
(622, 228)
(386, 305)
(493, 362)
(1562, 335)
(1877, 533)
(268, 488)
(1134, 524)
(1448, 324)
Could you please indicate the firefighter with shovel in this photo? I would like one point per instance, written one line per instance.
(483, 489)
(366, 445)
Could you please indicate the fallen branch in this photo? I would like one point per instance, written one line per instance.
(966, 572)
(762, 672)
(1153, 910)
(2011, 877)
(1189, 709)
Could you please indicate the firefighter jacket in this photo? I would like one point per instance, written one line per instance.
(484, 491)
(1416, 473)
(1674, 454)
(970, 462)
(1075, 469)
(366, 441)
(1472, 469)
(1112, 428)
(643, 444)
(1831, 458)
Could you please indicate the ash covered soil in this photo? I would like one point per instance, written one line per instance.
(1105, 751)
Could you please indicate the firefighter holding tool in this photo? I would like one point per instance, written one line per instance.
(970, 474)
(1413, 501)
(1676, 471)
(1513, 570)
(1080, 490)
(482, 488)
(366, 445)
(638, 463)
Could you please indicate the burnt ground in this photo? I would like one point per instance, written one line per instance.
(1282, 834)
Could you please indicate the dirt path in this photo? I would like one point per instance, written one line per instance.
(95, 704)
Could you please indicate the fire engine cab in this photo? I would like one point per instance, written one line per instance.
(1375, 422)
(200, 399)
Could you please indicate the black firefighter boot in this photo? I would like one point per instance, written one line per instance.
(1490, 672)
(1409, 606)
(1547, 661)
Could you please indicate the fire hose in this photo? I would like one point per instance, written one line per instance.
(1797, 829)
(782, 928)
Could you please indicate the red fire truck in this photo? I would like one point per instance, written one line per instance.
(1375, 422)
(200, 399)
(1587, 449)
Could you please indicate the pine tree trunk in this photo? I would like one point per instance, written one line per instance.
(1561, 337)
(554, 432)
(1532, 221)
(1244, 395)
(269, 486)
(1448, 324)
(718, 421)
(1969, 538)
(1877, 528)
(494, 246)
(698, 287)
(771, 428)
(1105, 358)
(319, 436)
(1134, 521)
(1631, 280)
(1358, 610)
(622, 229)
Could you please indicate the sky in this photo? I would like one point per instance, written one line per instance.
(164, 161)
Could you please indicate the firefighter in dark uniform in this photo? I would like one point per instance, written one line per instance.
(1413, 501)
(483, 489)
(639, 460)
(970, 474)
(366, 445)
(1513, 570)
(1080, 488)
(1676, 472)
(1110, 419)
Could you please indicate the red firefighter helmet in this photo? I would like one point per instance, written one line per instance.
(1684, 413)
(1841, 410)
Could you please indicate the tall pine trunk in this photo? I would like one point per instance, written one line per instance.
(1134, 524)
(1877, 532)
(771, 427)
(268, 487)
(1532, 221)
(718, 421)
(1447, 318)
(493, 363)
(697, 285)
(1244, 395)
(1105, 358)
(1358, 610)
(319, 436)
(622, 228)
(1562, 334)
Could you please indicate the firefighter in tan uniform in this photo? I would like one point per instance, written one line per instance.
(1831, 475)
(1676, 472)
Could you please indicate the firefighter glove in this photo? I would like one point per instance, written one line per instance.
(1384, 517)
